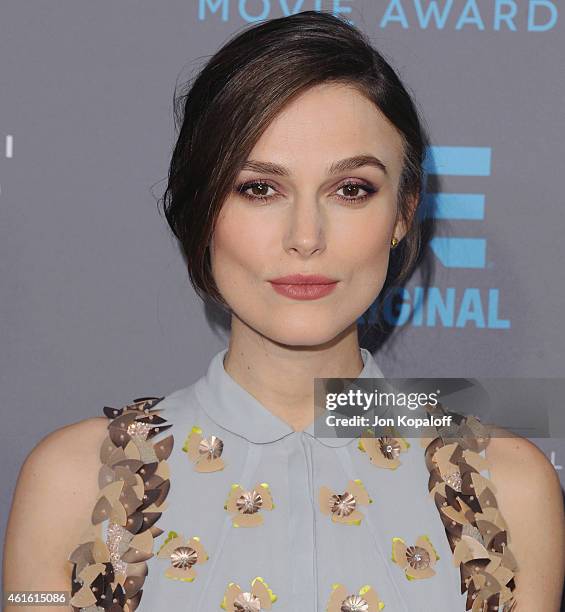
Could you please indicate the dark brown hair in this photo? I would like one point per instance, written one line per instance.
(241, 89)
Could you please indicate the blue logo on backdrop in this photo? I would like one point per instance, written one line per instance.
(458, 161)
(450, 306)
(541, 15)
(502, 15)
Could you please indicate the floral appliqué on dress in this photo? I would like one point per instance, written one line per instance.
(342, 507)
(245, 506)
(383, 451)
(259, 598)
(418, 560)
(183, 554)
(205, 453)
(367, 600)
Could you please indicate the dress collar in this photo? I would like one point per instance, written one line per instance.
(233, 408)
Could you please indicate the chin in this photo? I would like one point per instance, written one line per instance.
(307, 331)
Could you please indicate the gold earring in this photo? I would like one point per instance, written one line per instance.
(394, 241)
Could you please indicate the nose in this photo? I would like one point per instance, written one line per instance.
(305, 234)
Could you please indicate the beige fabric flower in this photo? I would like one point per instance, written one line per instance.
(343, 507)
(417, 561)
(260, 597)
(245, 505)
(183, 554)
(383, 451)
(205, 453)
(366, 600)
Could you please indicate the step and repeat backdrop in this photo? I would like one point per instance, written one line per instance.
(96, 307)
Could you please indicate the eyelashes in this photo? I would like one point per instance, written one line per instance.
(242, 188)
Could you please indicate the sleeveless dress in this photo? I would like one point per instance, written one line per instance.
(232, 509)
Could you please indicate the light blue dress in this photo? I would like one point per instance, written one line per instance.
(276, 542)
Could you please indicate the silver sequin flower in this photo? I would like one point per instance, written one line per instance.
(246, 602)
(211, 447)
(249, 502)
(342, 505)
(390, 447)
(354, 603)
(417, 557)
(183, 557)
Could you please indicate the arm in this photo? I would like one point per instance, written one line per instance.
(530, 499)
(56, 491)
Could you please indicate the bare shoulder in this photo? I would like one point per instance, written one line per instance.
(506, 450)
(56, 490)
(530, 500)
(75, 437)
(63, 458)
(520, 468)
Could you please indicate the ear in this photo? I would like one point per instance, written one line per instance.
(399, 230)
(400, 227)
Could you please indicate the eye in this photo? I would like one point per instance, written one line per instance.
(352, 189)
(261, 189)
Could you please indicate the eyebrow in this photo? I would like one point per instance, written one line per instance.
(349, 163)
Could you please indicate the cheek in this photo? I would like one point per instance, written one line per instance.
(238, 239)
(365, 243)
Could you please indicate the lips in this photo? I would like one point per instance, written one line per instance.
(304, 286)
(303, 279)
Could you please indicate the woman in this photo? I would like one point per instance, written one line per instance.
(300, 155)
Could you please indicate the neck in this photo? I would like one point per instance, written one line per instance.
(281, 377)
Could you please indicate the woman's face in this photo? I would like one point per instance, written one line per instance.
(311, 220)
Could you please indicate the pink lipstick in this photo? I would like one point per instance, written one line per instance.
(304, 286)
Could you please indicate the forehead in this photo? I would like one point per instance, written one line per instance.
(329, 122)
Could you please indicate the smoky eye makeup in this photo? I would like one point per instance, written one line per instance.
(266, 189)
